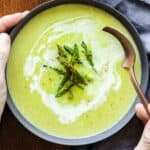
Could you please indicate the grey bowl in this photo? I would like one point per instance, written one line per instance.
(127, 116)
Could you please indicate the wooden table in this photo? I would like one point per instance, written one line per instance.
(15, 137)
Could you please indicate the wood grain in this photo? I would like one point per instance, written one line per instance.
(11, 6)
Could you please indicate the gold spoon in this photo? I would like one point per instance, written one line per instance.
(129, 62)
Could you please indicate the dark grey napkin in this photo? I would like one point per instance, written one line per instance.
(112, 3)
(139, 14)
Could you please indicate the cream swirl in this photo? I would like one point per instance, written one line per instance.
(106, 54)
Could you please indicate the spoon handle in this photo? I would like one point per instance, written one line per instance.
(139, 91)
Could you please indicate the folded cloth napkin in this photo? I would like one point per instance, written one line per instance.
(112, 3)
(139, 15)
(146, 1)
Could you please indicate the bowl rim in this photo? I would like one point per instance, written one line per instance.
(126, 118)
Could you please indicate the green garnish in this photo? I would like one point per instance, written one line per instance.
(88, 55)
(61, 51)
(74, 52)
(68, 57)
(70, 79)
(68, 49)
(59, 71)
(62, 83)
(65, 89)
(76, 57)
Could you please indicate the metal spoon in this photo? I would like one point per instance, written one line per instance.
(129, 62)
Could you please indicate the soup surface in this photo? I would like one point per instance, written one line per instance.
(74, 92)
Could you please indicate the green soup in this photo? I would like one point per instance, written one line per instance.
(83, 110)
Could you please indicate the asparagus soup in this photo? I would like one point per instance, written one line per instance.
(64, 73)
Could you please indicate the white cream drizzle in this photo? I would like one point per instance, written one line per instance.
(99, 89)
(30, 63)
